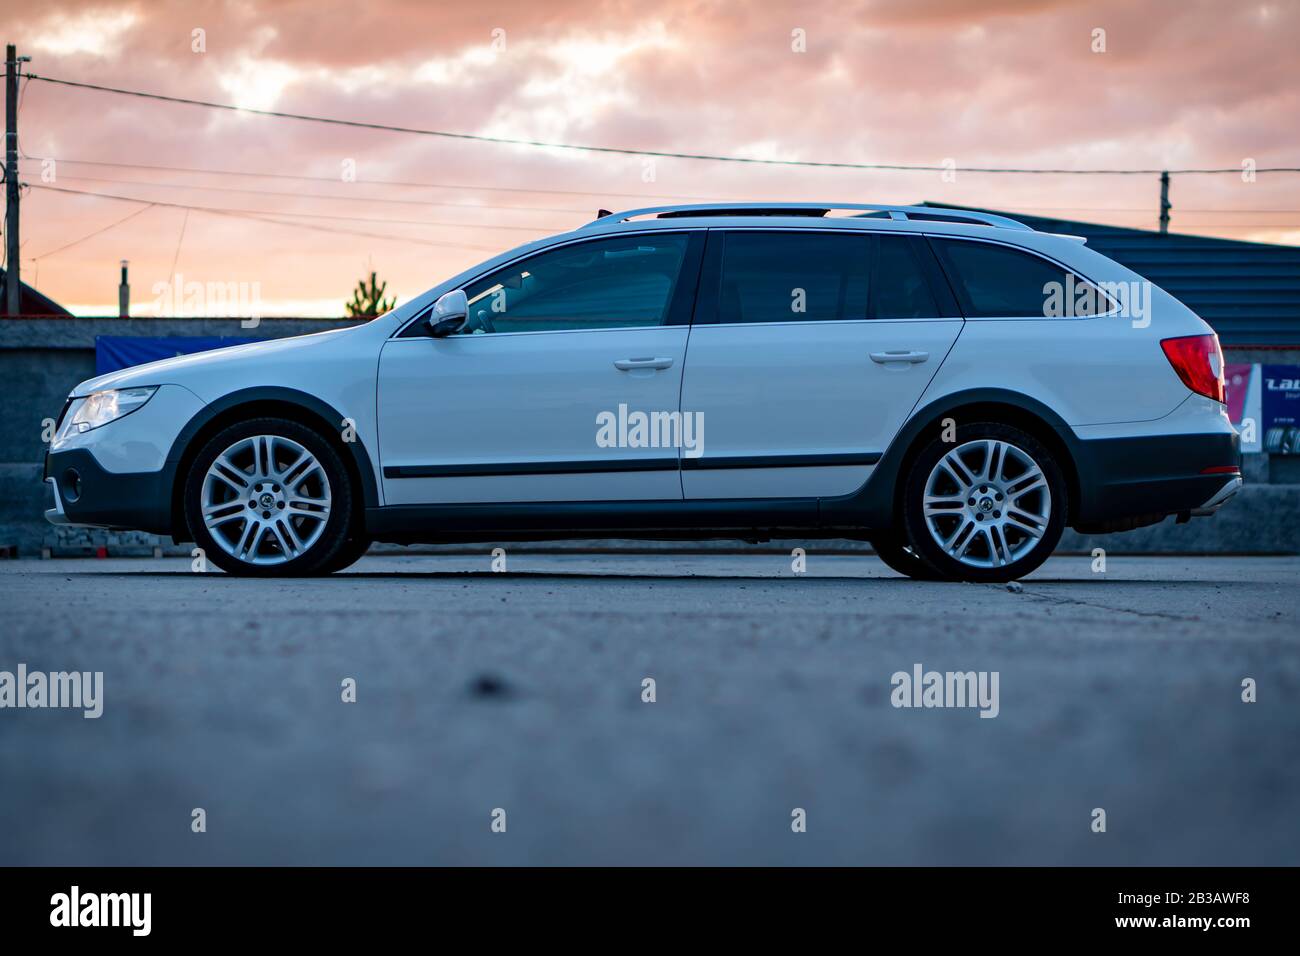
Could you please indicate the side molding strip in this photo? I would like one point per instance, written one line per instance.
(625, 464)
(781, 461)
(530, 468)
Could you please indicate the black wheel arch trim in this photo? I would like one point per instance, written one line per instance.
(873, 505)
(674, 519)
(183, 447)
(1107, 479)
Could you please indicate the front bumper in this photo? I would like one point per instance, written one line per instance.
(56, 515)
(87, 494)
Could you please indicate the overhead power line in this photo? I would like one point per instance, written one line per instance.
(264, 216)
(626, 151)
(467, 187)
(536, 230)
(328, 196)
(463, 187)
(259, 217)
(384, 200)
(367, 235)
(97, 232)
(179, 239)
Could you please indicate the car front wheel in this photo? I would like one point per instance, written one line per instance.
(269, 497)
(989, 506)
(898, 555)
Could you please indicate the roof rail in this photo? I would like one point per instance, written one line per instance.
(924, 213)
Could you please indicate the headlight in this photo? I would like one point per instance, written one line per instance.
(100, 408)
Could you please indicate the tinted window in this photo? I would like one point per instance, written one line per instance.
(997, 281)
(819, 277)
(899, 289)
(793, 277)
(603, 284)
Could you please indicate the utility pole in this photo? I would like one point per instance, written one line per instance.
(1164, 202)
(13, 284)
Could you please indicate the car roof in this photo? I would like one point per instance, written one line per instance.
(916, 220)
(931, 220)
(831, 216)
(806, 211)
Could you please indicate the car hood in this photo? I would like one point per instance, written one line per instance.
(256, 359)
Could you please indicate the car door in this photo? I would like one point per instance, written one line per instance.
(809, 350)
(538, 398)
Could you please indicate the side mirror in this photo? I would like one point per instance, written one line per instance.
(449, 315)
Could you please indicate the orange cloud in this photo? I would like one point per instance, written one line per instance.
(1012, 82)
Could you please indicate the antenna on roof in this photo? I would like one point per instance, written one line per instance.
(602, 213)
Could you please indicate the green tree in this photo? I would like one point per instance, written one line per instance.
(368, 300)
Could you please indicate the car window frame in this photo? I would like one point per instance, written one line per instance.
(952, 280)
(680, 306)
(708, 301)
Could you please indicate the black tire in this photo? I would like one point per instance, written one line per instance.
(1015, 522)
(353, 550)
(891, 548)
(322, 539)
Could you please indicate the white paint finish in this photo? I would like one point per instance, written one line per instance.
(803, 388)
(140, 440)
(773, 482)
(490, 489)
(1197, 415)
(523, 397)
(216, 372)
(336, 367)
(764, 389)
(1089, 371)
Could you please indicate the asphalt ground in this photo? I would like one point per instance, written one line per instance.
(522, 691)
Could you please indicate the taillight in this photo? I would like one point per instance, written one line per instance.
(1198, 360)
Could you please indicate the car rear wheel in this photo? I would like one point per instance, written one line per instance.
(989, 506)
(269, 497)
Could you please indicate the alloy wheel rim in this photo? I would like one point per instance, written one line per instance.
(265, 500)
(987, 503)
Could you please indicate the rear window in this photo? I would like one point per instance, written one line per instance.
(993, 281)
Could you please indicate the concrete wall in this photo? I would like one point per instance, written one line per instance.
(42, 359)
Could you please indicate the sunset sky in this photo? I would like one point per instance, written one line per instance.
(1181, 83)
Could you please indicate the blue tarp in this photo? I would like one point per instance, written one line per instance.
(114, 352)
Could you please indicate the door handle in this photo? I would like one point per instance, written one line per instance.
(888, 358)
(628, 364)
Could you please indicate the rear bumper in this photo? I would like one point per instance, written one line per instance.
(86, 494)
(1220, 498)
(1145, 479)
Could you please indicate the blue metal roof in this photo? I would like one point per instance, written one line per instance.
(1249, 292)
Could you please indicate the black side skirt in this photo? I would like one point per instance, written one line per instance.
(719, 518)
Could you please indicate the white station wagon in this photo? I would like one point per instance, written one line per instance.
(951, 386)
